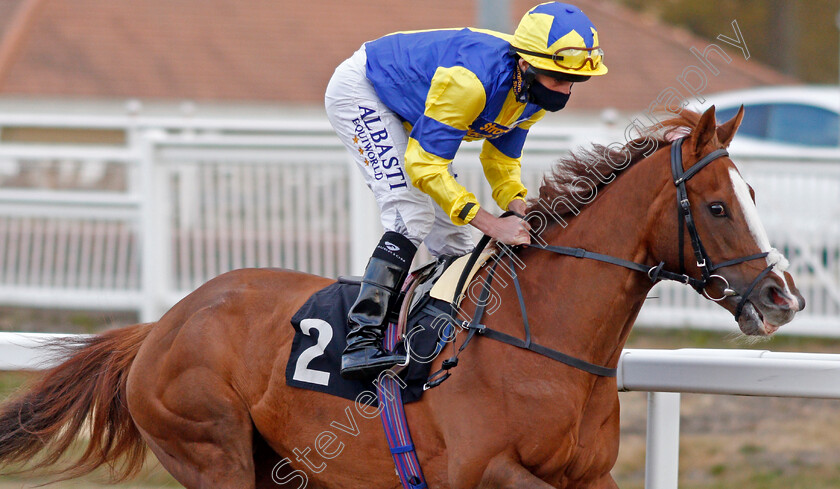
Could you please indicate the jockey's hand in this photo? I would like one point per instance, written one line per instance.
(512, 230)
(509, 230)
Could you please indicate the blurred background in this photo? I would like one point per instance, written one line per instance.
(148, 146)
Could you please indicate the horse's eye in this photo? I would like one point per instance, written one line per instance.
(717, 209)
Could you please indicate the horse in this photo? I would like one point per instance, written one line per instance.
(204, 387)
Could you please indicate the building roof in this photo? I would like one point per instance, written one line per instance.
(284, 51)
(646, 57)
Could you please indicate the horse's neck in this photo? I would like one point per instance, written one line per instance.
(584, 307)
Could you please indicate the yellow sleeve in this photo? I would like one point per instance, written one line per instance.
(456, 98)
(501, 160)
(503, 173)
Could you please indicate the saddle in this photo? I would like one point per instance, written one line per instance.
(423, 328)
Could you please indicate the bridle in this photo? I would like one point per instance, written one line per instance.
(655, 273)
(685, 220)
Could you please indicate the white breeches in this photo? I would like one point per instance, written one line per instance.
(377, 140)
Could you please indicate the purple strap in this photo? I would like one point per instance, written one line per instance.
(396, 426)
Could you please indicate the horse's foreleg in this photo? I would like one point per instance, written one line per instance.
(504, 472)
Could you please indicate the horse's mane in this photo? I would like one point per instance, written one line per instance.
(563, 182)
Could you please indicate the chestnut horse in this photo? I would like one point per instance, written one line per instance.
(204, 388)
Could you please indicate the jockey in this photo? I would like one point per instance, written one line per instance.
(403, 103)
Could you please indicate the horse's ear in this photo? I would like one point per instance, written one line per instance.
(727, 130)
(703, 132)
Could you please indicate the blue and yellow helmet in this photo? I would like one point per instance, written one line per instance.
(559, 37)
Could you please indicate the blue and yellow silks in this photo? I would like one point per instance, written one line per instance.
(448, 86)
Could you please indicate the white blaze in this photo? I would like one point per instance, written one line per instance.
(742, 194)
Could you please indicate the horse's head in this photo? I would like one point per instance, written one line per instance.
(741, 271)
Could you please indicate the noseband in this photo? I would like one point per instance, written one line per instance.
(685, 220)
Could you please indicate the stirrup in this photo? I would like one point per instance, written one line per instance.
(370, 362)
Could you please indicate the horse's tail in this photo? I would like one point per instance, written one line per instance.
(85, 392)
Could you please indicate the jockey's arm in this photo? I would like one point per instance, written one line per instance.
(501, 160)
(456, 98)
(517, 206)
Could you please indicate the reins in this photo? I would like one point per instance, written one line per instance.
(655, 274)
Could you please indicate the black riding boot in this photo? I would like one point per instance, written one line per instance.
(364, 357)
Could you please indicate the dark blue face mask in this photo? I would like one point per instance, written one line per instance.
(546, 98)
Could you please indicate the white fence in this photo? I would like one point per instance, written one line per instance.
(663, 373)
(137, 224)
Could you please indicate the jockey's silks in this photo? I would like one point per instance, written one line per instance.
(448, 86)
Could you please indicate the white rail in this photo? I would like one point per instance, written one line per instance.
(664, 374)
(24, 351)
(140, 223)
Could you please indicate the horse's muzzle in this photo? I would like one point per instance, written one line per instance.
(769, 307)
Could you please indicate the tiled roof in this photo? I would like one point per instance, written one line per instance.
(284, 51)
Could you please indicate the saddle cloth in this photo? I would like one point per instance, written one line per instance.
(321, 330)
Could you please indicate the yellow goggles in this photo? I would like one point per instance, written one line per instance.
(571, 58)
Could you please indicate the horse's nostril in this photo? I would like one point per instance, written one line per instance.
(776, 297)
